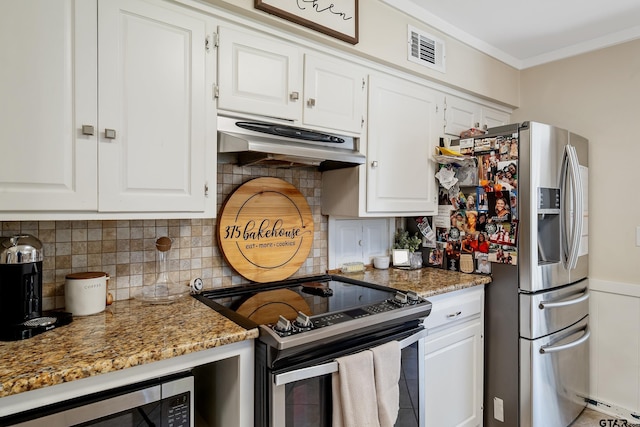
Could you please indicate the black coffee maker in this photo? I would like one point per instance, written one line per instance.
(21, 314)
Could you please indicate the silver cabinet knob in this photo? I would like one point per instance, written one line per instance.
(87, 130)
(311, 102)
(110, 133)
(294, 96)
(374, 164)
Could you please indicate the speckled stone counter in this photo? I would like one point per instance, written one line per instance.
(128, 333)
(425, 282)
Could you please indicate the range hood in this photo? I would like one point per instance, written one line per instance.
(268, 144)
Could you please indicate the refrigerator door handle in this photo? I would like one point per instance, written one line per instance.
(557, 348)
(564, 302)
(571, 168)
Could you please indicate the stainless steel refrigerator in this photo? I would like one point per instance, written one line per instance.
(536, 324)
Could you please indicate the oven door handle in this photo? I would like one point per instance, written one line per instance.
(306, 373)
(331, 367)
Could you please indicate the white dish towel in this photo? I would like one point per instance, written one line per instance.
(386, 366)
(354, 392)
(365, 388)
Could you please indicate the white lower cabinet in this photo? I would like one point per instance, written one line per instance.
(453, 364)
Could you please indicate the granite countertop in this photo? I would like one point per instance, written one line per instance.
(128, 333)
(426, 282)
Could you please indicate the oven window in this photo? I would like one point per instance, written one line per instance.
(308, 402)
(408, 415)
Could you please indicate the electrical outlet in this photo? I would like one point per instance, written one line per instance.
(498, 409)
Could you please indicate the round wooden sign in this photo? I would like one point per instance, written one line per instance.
(265, 229)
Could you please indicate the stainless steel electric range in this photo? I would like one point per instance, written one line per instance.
(305, 323)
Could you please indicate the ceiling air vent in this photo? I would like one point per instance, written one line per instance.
(425, 49)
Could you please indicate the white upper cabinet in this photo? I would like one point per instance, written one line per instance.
(461, 114)
(334, 93)
(401, 136)
(264, 76)
(152, 88)
(259, 75)
(401, 140)
(491, 117)
(108, 110)
(48, 89)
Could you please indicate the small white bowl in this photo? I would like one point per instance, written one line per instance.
(381, 262)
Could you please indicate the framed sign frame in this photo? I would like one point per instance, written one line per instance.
(400, 257)
(336, 18)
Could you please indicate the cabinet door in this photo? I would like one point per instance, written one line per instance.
(453, 376)
(492, 118)
(348, 242)
(48, 90)
(358, 240)
(401, 140)
(460, 115)
(152, 95)
(334, 94)
(259, 75)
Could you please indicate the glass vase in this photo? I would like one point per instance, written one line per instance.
(415, 260)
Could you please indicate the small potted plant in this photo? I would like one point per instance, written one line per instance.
(403, 240)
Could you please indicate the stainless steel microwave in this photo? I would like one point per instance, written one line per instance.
(163, 402)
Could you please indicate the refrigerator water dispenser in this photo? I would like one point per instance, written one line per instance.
(548, 225)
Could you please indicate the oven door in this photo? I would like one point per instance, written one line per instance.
(302, 397)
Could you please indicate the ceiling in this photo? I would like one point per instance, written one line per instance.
(526, 33)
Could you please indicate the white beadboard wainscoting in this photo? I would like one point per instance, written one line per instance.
(615, 348)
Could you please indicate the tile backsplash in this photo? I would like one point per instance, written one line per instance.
(125, 249)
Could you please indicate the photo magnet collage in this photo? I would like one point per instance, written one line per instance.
(477, 220)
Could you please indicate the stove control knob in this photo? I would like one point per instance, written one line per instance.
(283, 326)
(303, 321)
(400, 298)
(413, 297)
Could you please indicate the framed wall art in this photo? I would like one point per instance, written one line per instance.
(336, 18)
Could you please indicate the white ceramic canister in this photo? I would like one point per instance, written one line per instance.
(85, 293)
(381, 262)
